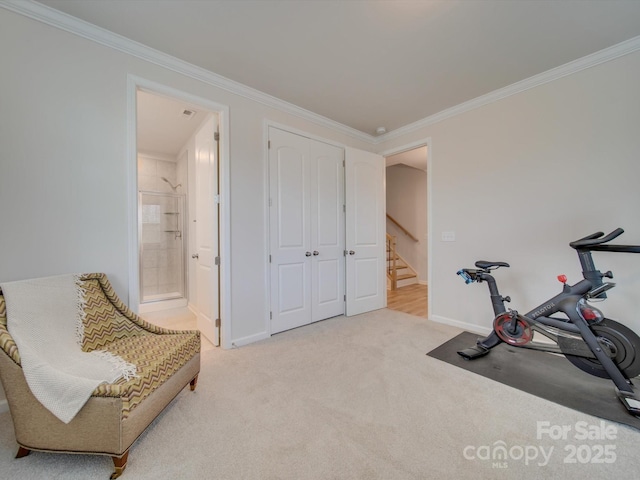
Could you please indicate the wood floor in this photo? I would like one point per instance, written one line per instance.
(411, 299)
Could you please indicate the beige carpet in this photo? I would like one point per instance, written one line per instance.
(350, 398)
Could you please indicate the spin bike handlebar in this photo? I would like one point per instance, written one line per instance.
(596, 241)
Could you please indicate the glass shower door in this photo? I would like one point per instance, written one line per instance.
(162, 246)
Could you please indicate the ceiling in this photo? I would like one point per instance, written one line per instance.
(416, 158)
(162, 126)
(369, 64)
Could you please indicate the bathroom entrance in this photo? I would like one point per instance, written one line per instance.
(177, 219)
(179, 213)
(164, 128)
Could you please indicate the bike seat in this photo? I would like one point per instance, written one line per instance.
(484, 265)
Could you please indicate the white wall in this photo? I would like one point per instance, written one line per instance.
(407, 203)
(63, 157)
(518, 179)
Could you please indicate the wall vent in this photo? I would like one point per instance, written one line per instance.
(188, 113)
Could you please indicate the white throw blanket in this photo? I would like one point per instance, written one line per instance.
(44, 317)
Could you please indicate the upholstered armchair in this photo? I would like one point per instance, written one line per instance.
(116, 414)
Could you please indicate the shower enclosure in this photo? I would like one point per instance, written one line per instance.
(162, 247)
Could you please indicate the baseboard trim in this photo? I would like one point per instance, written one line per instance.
(469, 327)
(4, 406)
(239, 342)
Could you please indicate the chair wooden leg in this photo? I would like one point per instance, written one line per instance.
(120, 463)
(193, 383)
(22, 452)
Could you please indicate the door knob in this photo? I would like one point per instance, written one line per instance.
(351, 252)
(315, 253)
(307, 254)
(195, 255)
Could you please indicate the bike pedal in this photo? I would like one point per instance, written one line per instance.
(472, 353)
(630, 400)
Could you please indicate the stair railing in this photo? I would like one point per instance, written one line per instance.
(392, 272)
(404, 230)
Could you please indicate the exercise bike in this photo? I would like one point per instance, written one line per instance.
(590, 341)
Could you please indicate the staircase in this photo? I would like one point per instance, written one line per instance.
(399, 272)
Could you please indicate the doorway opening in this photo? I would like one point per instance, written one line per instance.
(165, 127)
(163, 185)
(179, 211)
(407, 230)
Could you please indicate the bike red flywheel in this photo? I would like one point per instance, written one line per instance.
(504, 329)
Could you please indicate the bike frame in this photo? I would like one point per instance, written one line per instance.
(567, 303)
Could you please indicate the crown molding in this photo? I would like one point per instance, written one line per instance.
(597, 58)
(63, 21)
(68, 23)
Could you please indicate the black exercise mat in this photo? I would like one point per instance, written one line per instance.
(544, 375)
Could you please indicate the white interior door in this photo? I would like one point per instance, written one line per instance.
(306, 230)
(327, 230)
(207, 272)
(290, 243)
(365, 231)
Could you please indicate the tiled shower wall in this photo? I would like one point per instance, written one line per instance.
(162, 256)
(152, 169)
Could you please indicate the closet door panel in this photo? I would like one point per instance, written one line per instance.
(307, 232)
(365, 234)
(327, 230)
(290, 243)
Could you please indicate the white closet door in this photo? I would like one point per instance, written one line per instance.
(290, 241)
(365, 231)
(327, 230)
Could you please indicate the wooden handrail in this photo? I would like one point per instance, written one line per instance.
(404, 230)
